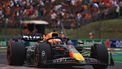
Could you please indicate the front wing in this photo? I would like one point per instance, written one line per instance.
(69, 60)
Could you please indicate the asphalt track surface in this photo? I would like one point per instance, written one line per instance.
(3, 65)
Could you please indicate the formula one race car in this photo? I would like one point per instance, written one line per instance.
(35, 50)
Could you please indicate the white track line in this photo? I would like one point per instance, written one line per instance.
(117, 61)
(3, 47)
(109, 48)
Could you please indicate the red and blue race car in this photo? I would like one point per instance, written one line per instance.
(35, 50)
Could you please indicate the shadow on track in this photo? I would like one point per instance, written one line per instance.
(60, 67)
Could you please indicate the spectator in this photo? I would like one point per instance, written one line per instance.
(35, 14)
(29, 11)
(64, 9)
(1, 13)
(52, 1)
(11, 3)
(120, 4)
(68, 2)
(86, 2)
(91, 35)
(41, 3)
(17, 10)
(105, 13)
(87, 17)
(7, 11)
(78, 19)
(53, 18)
(106, 3)
(95, 11)
(73, 2)
(117, 10)
(57, 7)
(41, 12)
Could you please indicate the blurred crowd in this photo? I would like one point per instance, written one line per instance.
(71, 12)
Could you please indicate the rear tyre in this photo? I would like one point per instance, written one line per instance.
(100, 53)
(42, 54)
(16, 53)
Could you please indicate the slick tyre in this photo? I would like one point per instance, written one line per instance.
(16, 53)
(42, 54)
(100, 53)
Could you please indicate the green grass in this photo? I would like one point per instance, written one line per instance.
(105, 29)
(9, 32)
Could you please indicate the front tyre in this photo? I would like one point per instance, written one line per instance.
(100, 53)
(42, 54)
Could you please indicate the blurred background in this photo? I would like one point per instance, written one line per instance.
(80, 18)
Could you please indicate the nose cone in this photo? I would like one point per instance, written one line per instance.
(77, 56)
